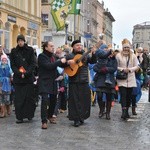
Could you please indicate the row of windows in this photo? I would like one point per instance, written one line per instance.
(139, 35)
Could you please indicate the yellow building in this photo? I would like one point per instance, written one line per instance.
(20, 17)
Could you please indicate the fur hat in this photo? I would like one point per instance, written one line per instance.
(75, 42)
(20, 37)
(126, 43)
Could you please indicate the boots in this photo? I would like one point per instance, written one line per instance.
(127, 112)
(124, 113)
(134, 111)
(102, 108)
(8, 109)
(3, 111)
(108, 108)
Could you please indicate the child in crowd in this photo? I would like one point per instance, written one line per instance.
(5, 86)
(102, 54)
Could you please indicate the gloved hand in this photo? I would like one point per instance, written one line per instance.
(104, 70)
(61, 89)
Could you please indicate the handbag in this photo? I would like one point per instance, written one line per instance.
(121, 75)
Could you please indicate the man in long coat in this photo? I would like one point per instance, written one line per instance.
(23, 64)
(79, 101)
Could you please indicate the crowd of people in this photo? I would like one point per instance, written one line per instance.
(61, 79)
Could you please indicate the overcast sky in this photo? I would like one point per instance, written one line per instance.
(127, 13)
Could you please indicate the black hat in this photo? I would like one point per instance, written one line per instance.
(20, 37)
(75, 42)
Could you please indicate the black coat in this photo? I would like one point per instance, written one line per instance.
(23, 56)
(82, 74)
(48, 73)
(101, 76)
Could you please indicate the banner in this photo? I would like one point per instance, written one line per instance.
(75, 7)
(59, 11)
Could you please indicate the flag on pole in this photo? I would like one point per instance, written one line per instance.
(75, 7)
(59, 11)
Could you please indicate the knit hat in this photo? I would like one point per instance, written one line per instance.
(103, 46)
(3, 57)
(20, 37)
(75, 42)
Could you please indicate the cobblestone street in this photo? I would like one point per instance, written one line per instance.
(95, 134)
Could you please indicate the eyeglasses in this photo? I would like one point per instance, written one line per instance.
(126, 47)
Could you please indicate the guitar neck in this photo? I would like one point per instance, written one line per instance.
(84, 55)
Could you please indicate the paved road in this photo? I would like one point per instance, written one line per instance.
(96, 134)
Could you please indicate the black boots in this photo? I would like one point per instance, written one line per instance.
(108, 108)
(77, 123)
(125, 113)
(134, 111)
(102, 109)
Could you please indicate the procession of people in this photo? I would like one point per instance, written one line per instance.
(63, 82)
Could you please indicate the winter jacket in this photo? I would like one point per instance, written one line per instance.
(23, 56)
(110, 68)
(133, 66)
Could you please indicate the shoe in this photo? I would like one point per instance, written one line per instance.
(44, 126)
(81, 122)
(30, 119)
(19, 121)
(77, 123)
(53, 120)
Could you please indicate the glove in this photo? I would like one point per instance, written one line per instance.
(61, 89)
(104, 69)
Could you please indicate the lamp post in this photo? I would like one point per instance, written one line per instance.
(66, 32)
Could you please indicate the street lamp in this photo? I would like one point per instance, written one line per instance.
(66, 31)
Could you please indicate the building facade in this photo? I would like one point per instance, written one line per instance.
(87, 26)
(141, 35)
(20, 17)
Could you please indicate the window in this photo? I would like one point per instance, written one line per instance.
(6, 41)
(34, 41)
(44, 19)
(137, 35)
(47, 38)
(149, 35)
(28, 39)
(44, 1)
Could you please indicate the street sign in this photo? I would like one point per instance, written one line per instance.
(88, 35)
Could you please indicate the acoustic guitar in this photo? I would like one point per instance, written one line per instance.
(72, 69)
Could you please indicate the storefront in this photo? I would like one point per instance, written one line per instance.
(11, 26)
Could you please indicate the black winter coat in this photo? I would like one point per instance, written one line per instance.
(47, 64)
(23, 56)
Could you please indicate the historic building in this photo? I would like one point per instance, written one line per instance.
(141, 35)
(20, 17)
(87, 26)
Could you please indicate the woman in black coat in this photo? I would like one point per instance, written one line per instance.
(48, 73)
(102, 87)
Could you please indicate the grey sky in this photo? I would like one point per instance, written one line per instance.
(127, 13)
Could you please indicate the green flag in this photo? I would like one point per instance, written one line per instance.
(59, 11)
(75, 7)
